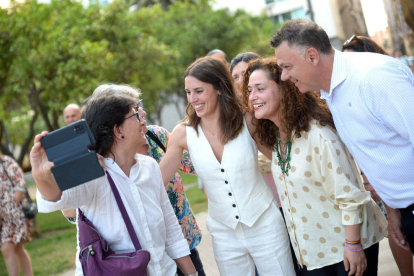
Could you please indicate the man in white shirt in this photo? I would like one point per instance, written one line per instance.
(370, 97)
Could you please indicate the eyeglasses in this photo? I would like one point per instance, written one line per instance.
(135, 114)
(354, 37)
(139, 105)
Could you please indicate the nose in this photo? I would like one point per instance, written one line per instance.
(142, 113)
(252, 95)
(191, 97)
(285, 75)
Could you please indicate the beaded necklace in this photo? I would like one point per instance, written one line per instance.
(284, 163)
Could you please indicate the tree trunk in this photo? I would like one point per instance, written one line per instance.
(29, 138)
(5, 148)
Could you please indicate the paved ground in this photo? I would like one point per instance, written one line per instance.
(386, 267)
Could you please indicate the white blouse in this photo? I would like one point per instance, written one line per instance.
(147, 205)
(322, 193)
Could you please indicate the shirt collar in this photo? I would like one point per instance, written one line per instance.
(338, 73)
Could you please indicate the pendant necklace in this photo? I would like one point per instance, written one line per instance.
(212, 132)
(284, 163)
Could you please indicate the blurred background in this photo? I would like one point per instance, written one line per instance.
(53, 53)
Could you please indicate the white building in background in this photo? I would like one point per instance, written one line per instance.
(339, 18)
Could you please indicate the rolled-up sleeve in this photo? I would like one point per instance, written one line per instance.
(72, 198)
(341, 183)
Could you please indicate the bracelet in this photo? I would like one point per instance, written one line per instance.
(192, 274)
(353, 242)
(365, 183)
(353, 250)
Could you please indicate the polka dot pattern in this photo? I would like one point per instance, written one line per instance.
(347, 217)
(322, 240)
(309, 158)
(306, 237)
(305, 189)
(321, 255)
(325, 214)
(308, 174)
(337, 229)
(316, 150)
(297, 150)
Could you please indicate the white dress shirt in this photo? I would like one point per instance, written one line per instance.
(371, 98)
(147, 205)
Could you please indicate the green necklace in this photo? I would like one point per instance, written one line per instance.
(284, 163)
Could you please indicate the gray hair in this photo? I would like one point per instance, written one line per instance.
(303, 33)
(116, 89)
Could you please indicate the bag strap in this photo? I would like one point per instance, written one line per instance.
(156, 140)
(5, 171)
(124, 213)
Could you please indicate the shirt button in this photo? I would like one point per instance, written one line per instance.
(234, 205)
(222, 170)
(226, 182)
(237, 217)
(230, 194)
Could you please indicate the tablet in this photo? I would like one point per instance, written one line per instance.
(67, 148)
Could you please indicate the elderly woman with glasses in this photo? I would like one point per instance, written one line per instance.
(118, 128)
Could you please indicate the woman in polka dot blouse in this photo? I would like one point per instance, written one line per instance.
(333, 224)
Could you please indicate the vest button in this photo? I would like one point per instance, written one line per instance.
(222, 170)
(226, 182)
(234, 205)
(230, 194)
(237, 217)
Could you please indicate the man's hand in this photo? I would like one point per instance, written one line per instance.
(374, 195)
(395, 228)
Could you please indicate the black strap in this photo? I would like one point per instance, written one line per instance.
(124, 213)
(5, 171)
(156, 140)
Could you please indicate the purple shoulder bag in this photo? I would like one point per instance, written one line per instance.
(96, 256)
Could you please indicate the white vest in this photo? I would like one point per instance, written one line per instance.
(235, 188)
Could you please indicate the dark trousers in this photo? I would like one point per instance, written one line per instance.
(195, 257)
(338, 269)
(407, 220)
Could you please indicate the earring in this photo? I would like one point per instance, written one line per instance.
(122, 136)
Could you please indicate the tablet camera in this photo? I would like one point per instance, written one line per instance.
(79, 129)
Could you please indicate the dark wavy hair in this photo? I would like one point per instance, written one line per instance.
(101, 114)
(246, 57)
(297, 109)
(363, 44)
(215, 72)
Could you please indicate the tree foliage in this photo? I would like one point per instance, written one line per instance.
(55, 54)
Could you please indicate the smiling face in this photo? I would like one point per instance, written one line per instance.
(237, 74)
(133, 129)
(298, 67)
(264, 95)
(202, 96)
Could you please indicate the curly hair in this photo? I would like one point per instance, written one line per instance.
(214, 72)
(296, 109)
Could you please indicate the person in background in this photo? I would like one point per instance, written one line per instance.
(71, 114)
(370, 97)
(333, 224)
(14, 226)
(118, 126)
(403, 258)
(402, 58)
(218, 54)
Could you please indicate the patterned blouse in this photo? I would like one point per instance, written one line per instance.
(322, 193)
(175, 189)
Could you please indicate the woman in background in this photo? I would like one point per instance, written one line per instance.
(14, 226)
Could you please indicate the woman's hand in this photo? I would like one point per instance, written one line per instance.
(41, 171)
(18, 197)
(41, 166)
(355, 262)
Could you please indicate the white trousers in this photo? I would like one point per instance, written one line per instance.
(265, 244)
